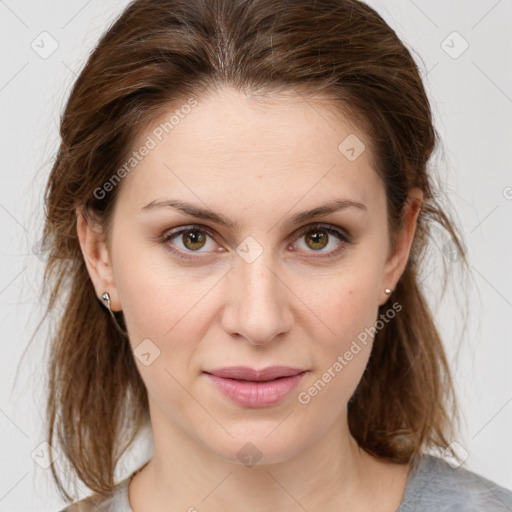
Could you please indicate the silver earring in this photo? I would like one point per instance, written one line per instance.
(387, 291)
(106, 298)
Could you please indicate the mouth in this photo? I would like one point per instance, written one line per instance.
(256, 388)
(250, 374)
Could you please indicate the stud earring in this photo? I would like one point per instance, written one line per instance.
(106, 299)
(387, 291)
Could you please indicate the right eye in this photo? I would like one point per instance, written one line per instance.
(192, 238)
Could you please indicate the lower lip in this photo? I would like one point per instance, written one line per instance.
(256, 394)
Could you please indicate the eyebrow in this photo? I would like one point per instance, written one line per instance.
(207, 214)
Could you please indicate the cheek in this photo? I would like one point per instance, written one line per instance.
(161, 311)
(344, 304)
(346, 310)
(154, 294)
(167, 311)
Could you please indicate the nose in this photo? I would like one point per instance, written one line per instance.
(257, 306)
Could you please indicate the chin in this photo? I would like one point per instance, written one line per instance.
(261, 447)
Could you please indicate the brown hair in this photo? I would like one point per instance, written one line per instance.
(162, 51)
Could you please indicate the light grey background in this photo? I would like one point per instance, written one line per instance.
(472, 101)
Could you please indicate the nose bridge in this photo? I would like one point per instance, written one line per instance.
(259, 308)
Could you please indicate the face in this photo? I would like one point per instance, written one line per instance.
(265, 287)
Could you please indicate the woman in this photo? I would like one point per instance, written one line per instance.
(237, 216)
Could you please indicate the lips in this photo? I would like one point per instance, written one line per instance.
(249, 374)
(256, 388)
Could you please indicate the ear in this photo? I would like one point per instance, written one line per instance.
(397, 261)
(97, 257)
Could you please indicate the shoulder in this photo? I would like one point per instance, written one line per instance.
(116, 501)
(434, 485)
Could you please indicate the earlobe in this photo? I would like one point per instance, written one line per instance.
(397, 262)
(96, 257)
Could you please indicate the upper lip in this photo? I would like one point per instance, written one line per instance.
(246, 373)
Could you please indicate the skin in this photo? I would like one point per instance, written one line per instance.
(257, 163)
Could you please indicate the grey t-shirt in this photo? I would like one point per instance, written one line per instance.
(432, 486)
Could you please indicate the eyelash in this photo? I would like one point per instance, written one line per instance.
(167, 237)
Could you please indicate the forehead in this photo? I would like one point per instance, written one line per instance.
(279, 147)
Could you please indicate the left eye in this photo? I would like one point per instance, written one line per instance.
(194, 238)
(318, 237)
